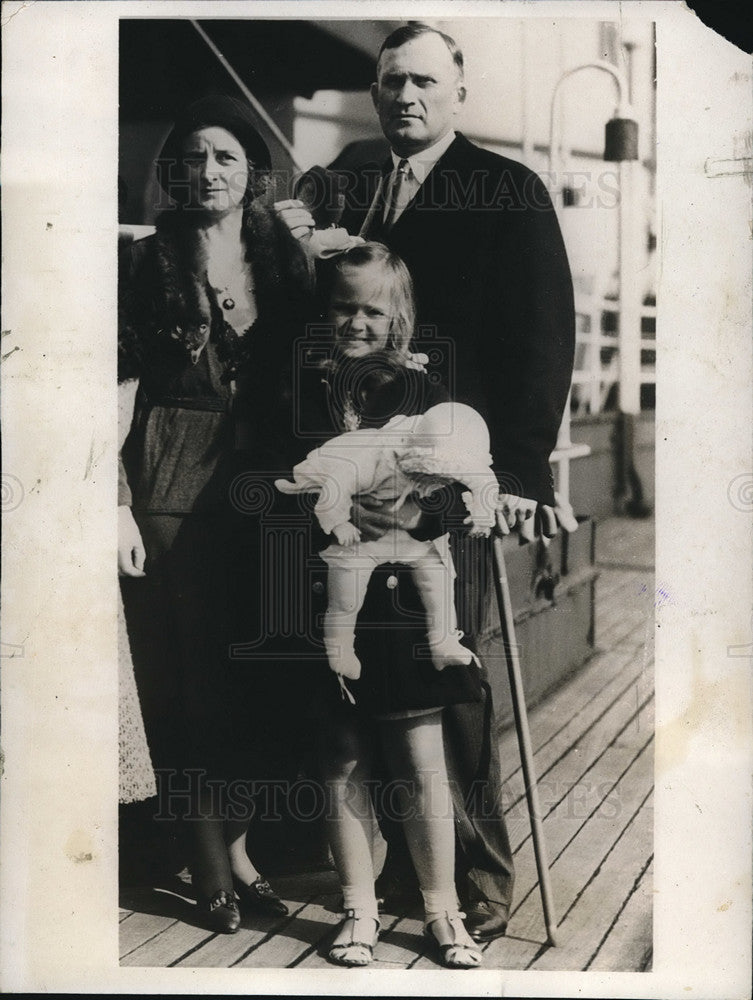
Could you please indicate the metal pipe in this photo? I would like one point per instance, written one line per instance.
(629, 329)
(623, 109)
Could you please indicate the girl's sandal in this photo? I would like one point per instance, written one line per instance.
(455, 954)
(356, 951)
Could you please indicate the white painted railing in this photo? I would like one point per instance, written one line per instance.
(598, 353)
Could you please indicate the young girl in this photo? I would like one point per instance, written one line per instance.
(398, 697)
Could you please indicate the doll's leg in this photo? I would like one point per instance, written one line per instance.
(346, 590)
(434, 579)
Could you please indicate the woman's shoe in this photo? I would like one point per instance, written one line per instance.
(359, 949)
(460, 952)
(260, 896)
(221, 912)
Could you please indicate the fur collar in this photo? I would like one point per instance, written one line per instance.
(172, 297)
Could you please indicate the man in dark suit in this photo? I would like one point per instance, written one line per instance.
(495, 313)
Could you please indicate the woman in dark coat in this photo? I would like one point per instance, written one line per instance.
(210, 306)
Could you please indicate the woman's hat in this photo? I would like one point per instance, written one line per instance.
(219, 111)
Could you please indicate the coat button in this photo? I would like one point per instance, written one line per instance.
(391, 582)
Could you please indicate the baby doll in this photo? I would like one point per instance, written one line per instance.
(419, 454)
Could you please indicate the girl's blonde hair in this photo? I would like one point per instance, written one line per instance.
(400, 286)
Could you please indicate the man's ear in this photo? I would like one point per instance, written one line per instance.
(461, 94)
(374, 91)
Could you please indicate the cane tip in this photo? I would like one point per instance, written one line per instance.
(552, 937)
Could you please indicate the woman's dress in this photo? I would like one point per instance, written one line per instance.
(202, 436)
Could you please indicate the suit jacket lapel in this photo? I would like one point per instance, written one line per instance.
(363, 181)
(373, 219)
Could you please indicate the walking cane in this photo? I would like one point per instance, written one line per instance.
(520, 711)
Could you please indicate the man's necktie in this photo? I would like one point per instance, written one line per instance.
(400, 194)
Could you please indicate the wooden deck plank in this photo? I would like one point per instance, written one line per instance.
(629, 943)
(140, 928)
(612, 577)
(640, 643)
(591, 723)
(615, 783)
(587, 728)
(625, 609)
(226, 950)
(309, 931)
(580, 833)
(612, 584)
(404, 942)
(526, 938)
(163, 948)
(585, 685)
(625, 541)
(604, 826)
(639, 635)
(220, 951)
(575, 704)
(557, 781)
(399, 944)
(603, 780)
(608, 584)
(604, 896)
(609, 634)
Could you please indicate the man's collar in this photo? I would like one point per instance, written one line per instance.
(422, 163)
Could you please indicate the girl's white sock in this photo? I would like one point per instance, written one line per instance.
(362, 899)
(437, 902)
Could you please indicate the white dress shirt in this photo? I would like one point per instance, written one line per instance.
(421, 165)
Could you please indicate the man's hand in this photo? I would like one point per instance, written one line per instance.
(374, 518)
(417, 361)
(296, 217)
(533, 519)
(564, 514)
(516, 512)
(131, 552)
(319, 244)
